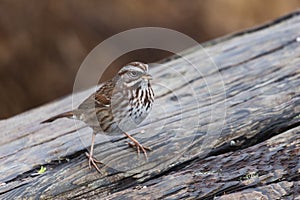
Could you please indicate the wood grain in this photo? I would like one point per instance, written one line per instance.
(225, 124)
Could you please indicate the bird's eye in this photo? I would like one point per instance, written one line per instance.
(133, 74)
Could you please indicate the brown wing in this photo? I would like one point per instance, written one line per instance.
(101, 98)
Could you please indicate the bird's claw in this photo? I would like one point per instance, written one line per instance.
(140, 147)
(93, 162)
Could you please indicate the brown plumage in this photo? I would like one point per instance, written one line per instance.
(68, 114)
(117, 107)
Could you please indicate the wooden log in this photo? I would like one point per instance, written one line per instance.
(268, 170)
(208, 141)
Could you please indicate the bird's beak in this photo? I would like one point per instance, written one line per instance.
(147, 76)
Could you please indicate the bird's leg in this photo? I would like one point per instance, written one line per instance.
(137, 145)
(92, 161)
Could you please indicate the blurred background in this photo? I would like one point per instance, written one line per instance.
(43, 43)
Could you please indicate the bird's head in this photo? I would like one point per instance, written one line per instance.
(135, 74)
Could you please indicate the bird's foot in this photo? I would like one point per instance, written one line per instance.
(93, 162)
(135, 144)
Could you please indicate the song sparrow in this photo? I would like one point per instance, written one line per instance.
(117, 107)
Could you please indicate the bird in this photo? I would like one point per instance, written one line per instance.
(118, 106)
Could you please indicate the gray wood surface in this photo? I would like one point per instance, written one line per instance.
(223, 129)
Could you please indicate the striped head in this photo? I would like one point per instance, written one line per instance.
(135, 74)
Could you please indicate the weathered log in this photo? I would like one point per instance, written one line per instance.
(251, 152)
(268, 170)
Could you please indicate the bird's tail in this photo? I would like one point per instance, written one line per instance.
(68, 114)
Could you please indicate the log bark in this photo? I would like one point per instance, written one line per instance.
(224, 132)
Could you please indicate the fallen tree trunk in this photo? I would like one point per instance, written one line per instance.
(208, 141)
